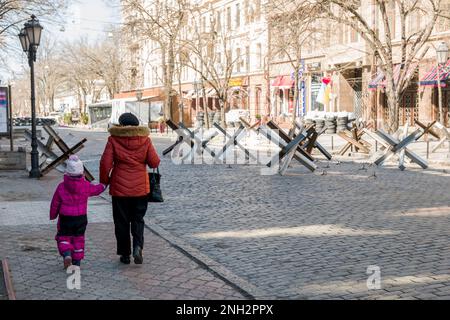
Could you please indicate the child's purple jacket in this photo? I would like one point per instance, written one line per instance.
(71, 196)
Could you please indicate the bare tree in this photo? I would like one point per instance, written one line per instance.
(21, 96)
(293, 25)
(382, 38)
(49, 74)
(15, 12)
(78, 74)
(160, 21)
(105, 60)
(208, 51)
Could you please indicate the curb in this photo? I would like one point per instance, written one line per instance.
(249, 290)
(7, 280)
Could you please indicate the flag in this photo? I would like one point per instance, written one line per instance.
(325, 90)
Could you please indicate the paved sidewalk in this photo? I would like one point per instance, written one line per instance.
(166, 273)
(27, 241)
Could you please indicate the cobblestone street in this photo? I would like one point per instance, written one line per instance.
(299, 236)
(313, 235)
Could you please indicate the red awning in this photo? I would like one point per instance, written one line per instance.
(380, 80)
(431, 78)
(283, 82)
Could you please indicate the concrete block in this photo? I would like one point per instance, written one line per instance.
(14, 160)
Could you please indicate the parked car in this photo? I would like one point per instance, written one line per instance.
(57, 117)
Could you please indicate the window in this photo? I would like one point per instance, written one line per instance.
(353, 35)
(443, 23)
(185, 72)
(154, 75)
(229, 18)
(257, 10)
(391, 18)
(247, 58)
(219, 22)
(246, 12)
(148, 75)
(219, 66)
(238, 15)
(238, 60)
(414, 22)
(340, 35)
(203, 24)
(259, 55)
(210, 51)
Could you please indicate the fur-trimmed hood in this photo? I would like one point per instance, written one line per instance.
(129, 131)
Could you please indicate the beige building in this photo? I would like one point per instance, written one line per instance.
(357, 85)
(263, 84)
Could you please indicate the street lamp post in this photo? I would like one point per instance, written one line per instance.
(442, 57)
(30, 37)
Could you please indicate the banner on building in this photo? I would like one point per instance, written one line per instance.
(325, 90)
(4, 105)
(300, 104)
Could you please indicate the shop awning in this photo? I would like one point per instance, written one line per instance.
(380, 80)
(283, 82)
(431, 78)
(191, 94)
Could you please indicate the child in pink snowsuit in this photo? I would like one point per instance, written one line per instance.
(69, 203)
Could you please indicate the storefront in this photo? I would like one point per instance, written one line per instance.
(409, 103)
(238, 93)
(430, 81)
(282, 96)
(151, 96)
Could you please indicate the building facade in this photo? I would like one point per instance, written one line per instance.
(262, 83)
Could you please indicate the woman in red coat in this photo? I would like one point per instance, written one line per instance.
(123, 167)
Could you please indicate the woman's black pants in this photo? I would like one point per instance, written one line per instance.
(129, 212)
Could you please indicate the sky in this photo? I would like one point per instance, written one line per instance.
(83, 18)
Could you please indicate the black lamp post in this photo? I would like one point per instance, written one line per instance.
(30, 37)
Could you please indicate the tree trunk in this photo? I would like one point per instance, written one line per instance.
(180, 102)
(223, 105)
(169, 78)
(52, 103)
(393, 107)
(205, 105)
(166, 85)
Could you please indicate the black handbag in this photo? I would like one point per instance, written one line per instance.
(155, 194)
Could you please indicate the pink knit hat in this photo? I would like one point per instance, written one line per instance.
(74, 166)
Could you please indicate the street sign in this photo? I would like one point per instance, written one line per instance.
(4, 106)
(235, 82)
